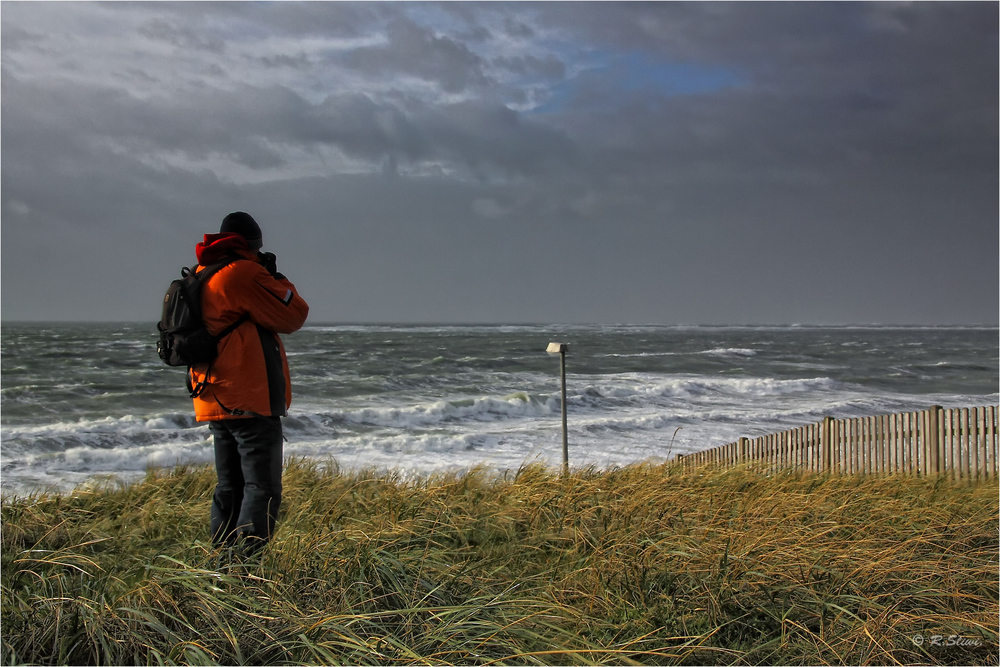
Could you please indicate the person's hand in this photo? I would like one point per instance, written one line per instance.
(269, 262)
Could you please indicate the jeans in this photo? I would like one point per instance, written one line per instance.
(248, 494)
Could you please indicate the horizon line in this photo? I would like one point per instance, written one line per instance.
(400, 323)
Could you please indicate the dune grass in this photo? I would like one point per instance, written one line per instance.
(639, 565)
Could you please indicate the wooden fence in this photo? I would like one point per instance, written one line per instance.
(960, 442)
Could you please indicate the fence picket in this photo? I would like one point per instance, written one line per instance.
(963, 442)
(843, 448)
(856, 446)
(879, 457)
(786, 448)
(984, 434)
(968, 450)
(983, 448)
(924, 451)
(880, 445)
(887, 443)
(808, 435)
(867, 444)
(892, 450)
(847, 451)
(951, 440)
(904, 442)
(834, 435)
(803, 448)
(984, 440)
(879, 449)
(941, 455)
(971, 436)
(793, 450)
(994, 438)
(891, 445)
(844, 429)
(814, 435)
(991, 441)
(860, 444)
(876, 457)
(977, 438)
(903, 458)
(900, 431)
(790, 448)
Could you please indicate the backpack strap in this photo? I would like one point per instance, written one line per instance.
(232, 327)
(204, 275)
(209, 270)
(195, 389)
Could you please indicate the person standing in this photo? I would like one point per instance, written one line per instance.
(246, 389)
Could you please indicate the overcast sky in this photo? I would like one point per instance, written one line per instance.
(678, 163)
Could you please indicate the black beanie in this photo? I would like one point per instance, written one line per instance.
(242, 224)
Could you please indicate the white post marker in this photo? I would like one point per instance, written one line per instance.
(560, 349)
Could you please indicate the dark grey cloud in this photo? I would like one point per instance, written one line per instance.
(661, 162)
(299, 61)
(549, 68)
(181, 37)
(416, 50)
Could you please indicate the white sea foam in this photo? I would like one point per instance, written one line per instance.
(444, 411)
(694, 387)
(63, 470)
(125, 425)
(730, 352)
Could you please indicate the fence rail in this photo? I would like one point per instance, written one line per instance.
(960, 442)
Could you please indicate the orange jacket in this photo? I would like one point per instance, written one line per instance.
(250, 375)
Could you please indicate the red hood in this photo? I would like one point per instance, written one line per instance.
(217, 247)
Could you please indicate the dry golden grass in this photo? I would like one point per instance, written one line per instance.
(639, 565)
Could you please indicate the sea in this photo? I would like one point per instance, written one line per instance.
(86, 404)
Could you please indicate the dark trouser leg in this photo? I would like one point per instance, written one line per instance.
(248, 464)
(228, 497)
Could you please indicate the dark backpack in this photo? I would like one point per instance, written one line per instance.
(184, 340)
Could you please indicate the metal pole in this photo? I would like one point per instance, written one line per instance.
(560, 349)
(562, 369)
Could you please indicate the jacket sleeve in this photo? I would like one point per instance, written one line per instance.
(272, 303)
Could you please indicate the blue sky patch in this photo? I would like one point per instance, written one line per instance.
(608, 79)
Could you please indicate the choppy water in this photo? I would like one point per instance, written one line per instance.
(87, 400)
